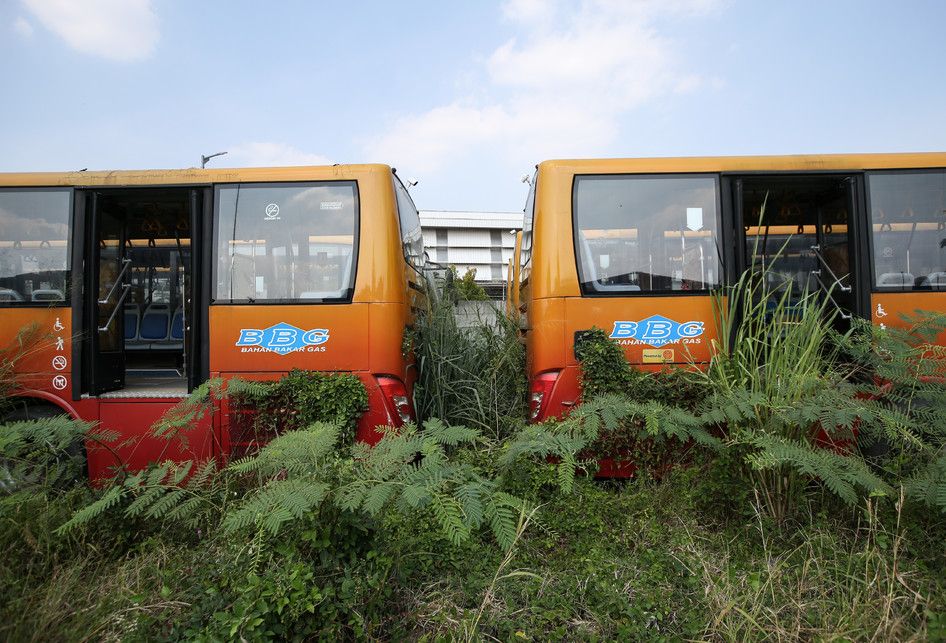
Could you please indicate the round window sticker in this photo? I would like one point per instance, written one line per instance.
(272, 212)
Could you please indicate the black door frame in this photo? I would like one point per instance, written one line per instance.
(84, 252)
(731, 185)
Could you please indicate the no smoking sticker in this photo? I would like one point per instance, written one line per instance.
(59, 362)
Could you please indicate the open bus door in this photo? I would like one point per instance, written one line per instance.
(106, 291)
(802, 231)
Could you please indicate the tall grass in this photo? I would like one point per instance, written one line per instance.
(470, 375)
(28, 341)
(775, 350)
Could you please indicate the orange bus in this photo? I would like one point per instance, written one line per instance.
(147, 283)
(635, 247)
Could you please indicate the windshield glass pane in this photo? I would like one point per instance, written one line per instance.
(286, 241)
(908, 224)
(646, 233)
(34, 246)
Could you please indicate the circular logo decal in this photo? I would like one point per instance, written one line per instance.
(272, 211)
(60, 382)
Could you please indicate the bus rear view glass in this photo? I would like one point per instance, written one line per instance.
(646, 233)
(286, 242)
(34, 246)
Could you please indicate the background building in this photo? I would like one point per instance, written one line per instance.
(481, 240)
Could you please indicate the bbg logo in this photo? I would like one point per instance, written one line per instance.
(282, 338)
(657, 331)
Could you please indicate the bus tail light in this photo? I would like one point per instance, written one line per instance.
(396, 400)
(540, 393)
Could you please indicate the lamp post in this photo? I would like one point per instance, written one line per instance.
(204, 159)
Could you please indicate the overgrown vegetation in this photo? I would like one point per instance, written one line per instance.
(24, 345)
(300, 399)
(464, 288)
(792, 489)
(474, 374)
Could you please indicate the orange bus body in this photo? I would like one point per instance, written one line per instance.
(555, 307)
(364, 334)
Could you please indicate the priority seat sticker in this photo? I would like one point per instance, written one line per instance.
(282, 339)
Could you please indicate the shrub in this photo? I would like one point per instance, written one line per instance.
(464, 288)
(800, 401)
(302, 398)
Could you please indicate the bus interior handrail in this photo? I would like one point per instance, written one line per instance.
(118, 306)
(118, 282)
(837, 282)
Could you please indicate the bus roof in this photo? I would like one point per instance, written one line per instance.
(788, 163)
(189, 176)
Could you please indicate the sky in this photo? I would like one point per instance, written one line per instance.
(464, 97)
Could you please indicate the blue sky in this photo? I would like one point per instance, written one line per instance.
(464, 96)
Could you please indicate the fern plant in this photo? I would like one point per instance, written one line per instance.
(573, 443)
(43, 453)
(412, 470)
(169, 492)
(802, 402)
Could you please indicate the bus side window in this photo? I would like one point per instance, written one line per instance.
(34, 245)
(908, 229)
(409, 220)
(528, 224)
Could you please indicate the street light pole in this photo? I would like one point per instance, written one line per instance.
(204, 159)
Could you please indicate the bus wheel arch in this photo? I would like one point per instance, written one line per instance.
(42, 399)
(37, 405)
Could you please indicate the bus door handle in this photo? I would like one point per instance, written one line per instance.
(118, 306)
(118, 281)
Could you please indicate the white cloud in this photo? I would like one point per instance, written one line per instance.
(22, 26)
(559, 88)
(119, 30)
(260, 154)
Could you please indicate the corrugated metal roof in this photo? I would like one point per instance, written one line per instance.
(470, 219)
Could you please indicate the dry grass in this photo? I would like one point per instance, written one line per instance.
(834, 585)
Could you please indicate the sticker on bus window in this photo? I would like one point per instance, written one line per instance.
(657, 331)
(695, 219)
(282, 339)
(330, 205)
